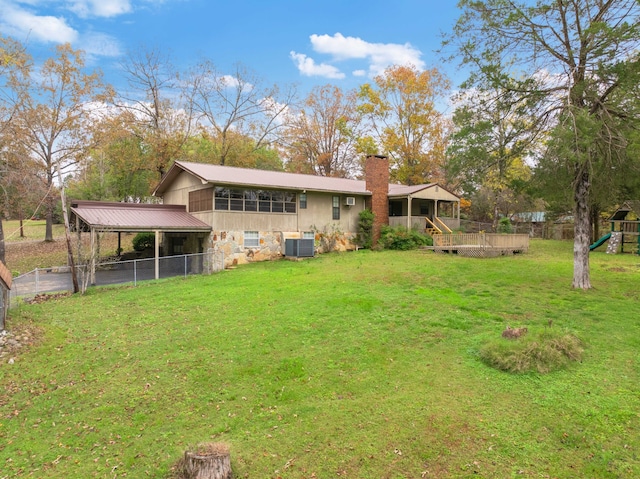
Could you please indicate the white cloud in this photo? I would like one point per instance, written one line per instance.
(378, 55)
(100, 8)
(308, 67)
(100, 44)
(23, 23)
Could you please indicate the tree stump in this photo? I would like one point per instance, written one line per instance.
(208, 461)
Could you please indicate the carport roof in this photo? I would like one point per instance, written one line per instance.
(135, 217)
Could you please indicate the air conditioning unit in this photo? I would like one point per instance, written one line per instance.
(299, 248)
(350, 201)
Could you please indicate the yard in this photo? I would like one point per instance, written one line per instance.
(359, 365)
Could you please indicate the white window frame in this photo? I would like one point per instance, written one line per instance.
(308, 235)
(251, 239)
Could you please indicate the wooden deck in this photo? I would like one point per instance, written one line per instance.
(481, 245)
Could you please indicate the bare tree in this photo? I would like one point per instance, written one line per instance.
(158, 113)
(237, 106)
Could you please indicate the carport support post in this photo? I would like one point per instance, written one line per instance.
(92, 261)
(157, 254)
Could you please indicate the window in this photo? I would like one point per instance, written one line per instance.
(222, 198)
(303, 201)
(336, 208)
(263, 201)
(201, 200)
(308, 235)
(251, 239)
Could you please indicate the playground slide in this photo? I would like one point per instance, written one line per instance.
(600, 242)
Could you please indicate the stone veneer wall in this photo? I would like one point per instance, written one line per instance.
(231, 243)
(376, 173)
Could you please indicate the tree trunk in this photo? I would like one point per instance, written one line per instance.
(582, 230)
(210, 465)
(2, 246)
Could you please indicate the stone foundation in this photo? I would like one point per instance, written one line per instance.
(272, 243)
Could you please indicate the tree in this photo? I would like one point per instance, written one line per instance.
(14, 64)
(236, 106)
(578, 61)
(322, 137)
(159, 109)
(54, 115)
(491, 139)
(401, 110)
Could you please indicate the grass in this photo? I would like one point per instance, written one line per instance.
(32, 230)
(23, 254)
(365, 364)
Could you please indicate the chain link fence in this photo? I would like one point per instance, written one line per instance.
(58, 279)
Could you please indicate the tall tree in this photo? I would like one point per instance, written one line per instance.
(401, 107)
(56, 109)
(238, 103)
(579, 60)
(491, 139)
(14, 64)
(321, 138)
(159, 113)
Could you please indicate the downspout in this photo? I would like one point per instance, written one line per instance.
(409, 201)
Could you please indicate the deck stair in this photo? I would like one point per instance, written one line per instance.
(432, 229)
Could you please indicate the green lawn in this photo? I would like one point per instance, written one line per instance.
(359, 365)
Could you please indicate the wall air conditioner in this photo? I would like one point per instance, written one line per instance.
(350, 201)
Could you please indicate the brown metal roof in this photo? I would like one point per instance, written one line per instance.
(107, 216)
(228, 175)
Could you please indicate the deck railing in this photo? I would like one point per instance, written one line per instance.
(484, 240)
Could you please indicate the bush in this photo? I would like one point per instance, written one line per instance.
(365, 228)
(401, 238)
(144, 241)
(546, 352)
(504, 225)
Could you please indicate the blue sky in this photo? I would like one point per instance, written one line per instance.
(304, 42)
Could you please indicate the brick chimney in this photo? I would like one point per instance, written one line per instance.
(376, 174)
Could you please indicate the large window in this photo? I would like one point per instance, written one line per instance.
(251, 239)
(264, 201)
(336, 208)
(201, 200)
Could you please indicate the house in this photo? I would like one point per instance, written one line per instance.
(253, 212)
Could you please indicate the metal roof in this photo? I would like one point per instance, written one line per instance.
(108, 216)
(400, 191)
(229, 175)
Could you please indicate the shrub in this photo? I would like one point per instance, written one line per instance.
(365, 228)
(504, 225)
(401, 238)
(546, 352)
(143, 241)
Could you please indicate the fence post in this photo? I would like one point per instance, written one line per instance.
(37, 279)
(185, 265)
(135, 272)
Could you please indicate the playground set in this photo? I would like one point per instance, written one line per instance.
(625, 230)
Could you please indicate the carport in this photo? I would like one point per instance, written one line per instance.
(97, 217)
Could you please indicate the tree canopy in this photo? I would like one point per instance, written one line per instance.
(577, 63)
